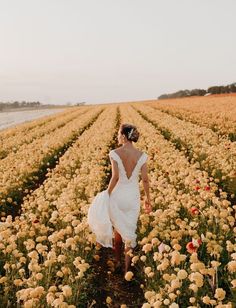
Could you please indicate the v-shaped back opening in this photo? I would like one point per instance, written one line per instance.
(124, 166)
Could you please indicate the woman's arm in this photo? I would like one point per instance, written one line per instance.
(145, 180)
(115, 176)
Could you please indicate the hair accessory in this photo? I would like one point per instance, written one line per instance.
(130, 133)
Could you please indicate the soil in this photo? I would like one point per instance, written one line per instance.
(109, 282)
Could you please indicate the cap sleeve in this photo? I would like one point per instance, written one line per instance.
(112, 155)
(144, 158)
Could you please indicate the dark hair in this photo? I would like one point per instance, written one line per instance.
(130, 131)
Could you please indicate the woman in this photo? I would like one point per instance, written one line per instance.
(118, 206)
(123, 190)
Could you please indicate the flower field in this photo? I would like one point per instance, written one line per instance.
(217, 112)
(52, 168)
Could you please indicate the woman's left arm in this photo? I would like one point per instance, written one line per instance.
(115, 176)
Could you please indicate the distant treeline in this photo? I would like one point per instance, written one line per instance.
(24, 104)
(16, 104)
(201, 92)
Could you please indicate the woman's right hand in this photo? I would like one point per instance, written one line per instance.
(147, 206)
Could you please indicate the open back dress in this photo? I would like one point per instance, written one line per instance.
(121, 209)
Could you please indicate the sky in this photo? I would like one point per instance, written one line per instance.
(106, 51)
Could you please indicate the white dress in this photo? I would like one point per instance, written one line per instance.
(119, 210)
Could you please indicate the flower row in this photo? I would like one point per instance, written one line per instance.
(11, 140)
(217, 113)
(216, 155)
(187, 244)
(47, 250)
(20, 170)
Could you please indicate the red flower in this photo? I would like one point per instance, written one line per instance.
(193, 246)
(207, 187)
(197, 187)
(194, 210)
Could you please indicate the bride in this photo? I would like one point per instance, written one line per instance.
(118, 207)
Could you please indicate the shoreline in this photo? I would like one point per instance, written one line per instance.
(32, 108)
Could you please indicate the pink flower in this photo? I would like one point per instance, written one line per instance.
(161, 247)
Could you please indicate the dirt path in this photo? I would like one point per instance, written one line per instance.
(108, 283)
(105, 282)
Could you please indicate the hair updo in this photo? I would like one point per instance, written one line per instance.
(130, 131)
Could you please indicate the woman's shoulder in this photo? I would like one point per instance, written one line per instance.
(112, 153)
(121, 151)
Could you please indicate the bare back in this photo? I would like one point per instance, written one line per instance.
(129, 158)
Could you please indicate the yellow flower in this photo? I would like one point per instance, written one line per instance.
(50, 298)
(182, 274)
(3, 279)
(146, 248)
(61, 258)
(206, 300)
(135, 259)
(59, 274)
(108, 300)
(18, 282)
(177, 247)
(175, 284)
(165, 263)
(232, 266)
(66, 290)
(220, 294)
(129, 275)
(143, 258)
(39, 276)
(147, 270)
(193, 287)
(197, 278)
(149, 294)
(233, 282)
(166, 301)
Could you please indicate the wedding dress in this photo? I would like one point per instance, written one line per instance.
(119, 210)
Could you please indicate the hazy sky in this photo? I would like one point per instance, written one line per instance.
(59, 51)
